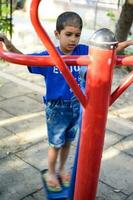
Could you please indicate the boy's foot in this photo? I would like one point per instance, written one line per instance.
(65, 179)
(52, 182)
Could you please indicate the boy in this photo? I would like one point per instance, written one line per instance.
(62, 108)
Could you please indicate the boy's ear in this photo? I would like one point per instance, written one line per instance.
(56, 34)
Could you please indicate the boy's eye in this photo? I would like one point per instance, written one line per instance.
(68, 34)
(77, 35)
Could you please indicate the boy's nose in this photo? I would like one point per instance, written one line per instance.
(73, 38)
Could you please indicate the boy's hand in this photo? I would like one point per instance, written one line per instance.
(2, 37)
(1, 40)
(123, 45)
(9, 46)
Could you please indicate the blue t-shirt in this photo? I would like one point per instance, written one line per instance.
(56, 86)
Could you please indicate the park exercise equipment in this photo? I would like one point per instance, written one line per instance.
(95, 102)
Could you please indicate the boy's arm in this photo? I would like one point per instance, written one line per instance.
(9, 46)
(123, 45)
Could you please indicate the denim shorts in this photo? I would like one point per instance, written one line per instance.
(62, 118)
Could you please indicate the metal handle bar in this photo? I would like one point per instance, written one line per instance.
(47, 60)
(42, 61)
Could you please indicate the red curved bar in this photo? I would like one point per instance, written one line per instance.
(53, 52)
(41, 60)
(122, 87)
(124, 60)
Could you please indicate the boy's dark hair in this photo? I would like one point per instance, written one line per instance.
(68, 18)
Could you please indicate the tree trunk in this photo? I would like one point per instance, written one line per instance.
(125, 21)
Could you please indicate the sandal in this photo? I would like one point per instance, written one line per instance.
(65, 179)
(52, 185)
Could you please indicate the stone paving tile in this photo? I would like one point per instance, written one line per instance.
(19, 142)
(111, 138)
(4, 115)
(130, 197)
(3, 81)
(1, 98)
(126, 145)
(105, 192)
(20, 105)
(23, 82)
(12, 68)
(36, 96)
(14, 143)
(40, 195)
(7, 91)
(18, 179)
(119, 125)
(6, 144)
(4, 133)
(25, 122)
(36, 155)
(22, 73)
(18, 133)
(29, 198)
(15, 69)
(116, 170)
(33, 78)
(126, 112)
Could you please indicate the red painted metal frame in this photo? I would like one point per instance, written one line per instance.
(42, 60)
(98, 87)
(95, 101)
(48, 61)
(122, 87)
(69, 60)
(124, 60)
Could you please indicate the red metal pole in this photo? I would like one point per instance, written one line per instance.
(122, 87)
(124, 60)
(98, 87)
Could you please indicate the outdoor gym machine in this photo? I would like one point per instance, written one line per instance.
(96, 101)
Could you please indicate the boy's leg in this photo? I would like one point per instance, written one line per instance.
(52, 159)
(50, 177)
(69, 137)
(64, 152)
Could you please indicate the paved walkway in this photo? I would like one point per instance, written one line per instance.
(23, 142)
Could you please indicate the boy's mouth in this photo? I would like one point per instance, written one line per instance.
(71, 46)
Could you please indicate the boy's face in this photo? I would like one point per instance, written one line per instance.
(69, 38)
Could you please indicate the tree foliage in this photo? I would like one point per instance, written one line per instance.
(5, 18)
